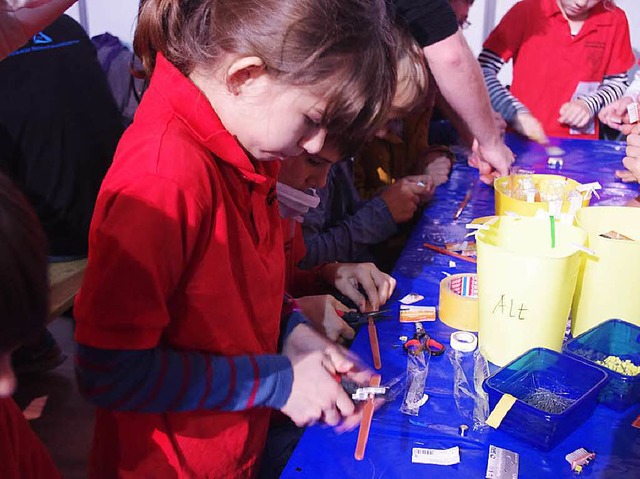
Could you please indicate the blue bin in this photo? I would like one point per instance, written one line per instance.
(611, 338)
(555, 393)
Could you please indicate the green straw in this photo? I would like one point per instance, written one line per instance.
(553, 231)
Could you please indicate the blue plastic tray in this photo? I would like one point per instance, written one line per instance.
(555, 393)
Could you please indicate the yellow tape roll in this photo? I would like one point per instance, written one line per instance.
(459, 301)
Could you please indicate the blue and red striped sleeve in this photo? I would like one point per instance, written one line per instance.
(167, 380)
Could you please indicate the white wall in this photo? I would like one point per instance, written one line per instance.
(118, 17)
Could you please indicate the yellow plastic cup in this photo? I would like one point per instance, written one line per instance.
(525, 286)
(609, 283)
(505, 203)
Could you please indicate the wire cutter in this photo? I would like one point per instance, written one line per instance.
(421, 341)
(356, 318)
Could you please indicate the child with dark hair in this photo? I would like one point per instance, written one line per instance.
(179, 315)
(23, 312)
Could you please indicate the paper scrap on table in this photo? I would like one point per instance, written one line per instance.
(500, 411)
(412, 298)
(465, 248)
(35, 407)
(414, 314)
(440, 457)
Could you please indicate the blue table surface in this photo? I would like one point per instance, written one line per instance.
(323, 453)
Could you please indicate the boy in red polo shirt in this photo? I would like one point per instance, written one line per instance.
(178, 318)
(570, 59)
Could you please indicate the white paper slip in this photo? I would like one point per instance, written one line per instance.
(412, 298)
(440, 457)
(502, 464)
(632, 110)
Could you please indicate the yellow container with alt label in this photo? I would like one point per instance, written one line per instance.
(507, 193)
(527, 273)
(609, 282)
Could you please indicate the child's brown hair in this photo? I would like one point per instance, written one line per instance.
(413, 76)
(344, 47)
(24, 291)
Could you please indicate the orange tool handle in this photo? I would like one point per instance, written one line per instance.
(365, 424)
(375, 346)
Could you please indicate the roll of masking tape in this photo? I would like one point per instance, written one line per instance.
(459, 301)
(463, 341)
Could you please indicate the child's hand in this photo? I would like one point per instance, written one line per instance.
(315, 394)
(575, 113)
(529, 126)
(321, 311)
(632, 160)
(438, 167)
(404, 196)
(346, 277)
(615, 114)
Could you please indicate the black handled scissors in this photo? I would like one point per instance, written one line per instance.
(356, 318)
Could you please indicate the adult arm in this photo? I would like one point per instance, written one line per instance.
(455, 69)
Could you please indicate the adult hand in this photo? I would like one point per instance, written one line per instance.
(404, 196)
(321, 311)
(438, 167)
(347, 277)
(575, 113)
(315, 394)
(529, 126)
(492, 160)
(20, 19)
(486, 172)
(615, 114)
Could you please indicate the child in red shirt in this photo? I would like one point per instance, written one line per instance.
(23, 313)
(178, 318)
(570, 60)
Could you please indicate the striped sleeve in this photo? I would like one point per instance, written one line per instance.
(502, 100)
(611, 89)
(166, 380)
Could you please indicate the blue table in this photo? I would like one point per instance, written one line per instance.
(322, 453)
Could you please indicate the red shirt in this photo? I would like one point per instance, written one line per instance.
(299, 282)
(185, 251)
(549, 64)
(22, 455)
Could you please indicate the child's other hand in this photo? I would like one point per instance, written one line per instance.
(321, 311)
(438, 167)
(404, 196)
(575, 113)
(529, 126)
(315, 394)
(615, 114)
(501, 125)
(346, 277)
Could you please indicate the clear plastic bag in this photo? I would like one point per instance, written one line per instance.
(472, 402)
(417, 370)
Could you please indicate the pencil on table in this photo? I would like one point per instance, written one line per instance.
(440, 250)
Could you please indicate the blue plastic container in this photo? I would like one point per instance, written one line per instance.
(611, 338)
(555, 393)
